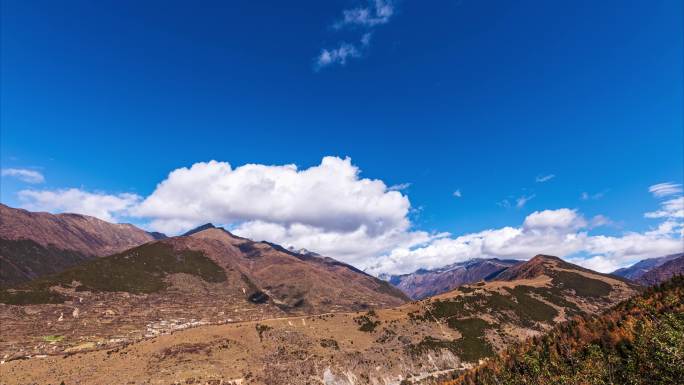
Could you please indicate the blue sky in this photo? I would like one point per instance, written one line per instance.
(483, 97)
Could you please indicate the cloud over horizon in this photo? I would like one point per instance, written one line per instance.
(24, 175)
(331, 209)
(101, 205)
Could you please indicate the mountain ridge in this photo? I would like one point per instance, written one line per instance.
(424, 283)
(663, 272)
(637, 270)
(34, 244)
(207, 277)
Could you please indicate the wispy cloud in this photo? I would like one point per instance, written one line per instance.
(342, 53)
(672, 208)
(522, 201)
(457, 193)
(338, 55)
(585, 196)
(375, 13)
(518, 202)
(544, 178)
(661, 190)
(399, 187)
(367, 17)
(24, 175)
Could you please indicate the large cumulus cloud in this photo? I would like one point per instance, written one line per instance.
(330, 196)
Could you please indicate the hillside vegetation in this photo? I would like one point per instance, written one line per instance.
(640, 341)
(23, 260)
(139, 270)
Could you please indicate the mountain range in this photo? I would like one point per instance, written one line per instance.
(652, 271)
(208, 276)
(424, 283)
(210, 307)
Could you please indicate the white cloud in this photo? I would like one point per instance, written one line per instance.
(24, 175)
(597, 263)
(328, 208)
(661, 190)
(557, 219)
(330, 196)
(457, 194)
(562, 232)
(506, 242)
(544, 178)
(377, 12)
(357, 247)
(104, 206)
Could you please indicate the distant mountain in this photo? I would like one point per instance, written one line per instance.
(424, 283)
(638, 341)
(35, 244)
(209, 276)
(442, 335)
(662, 273)
(642, 267)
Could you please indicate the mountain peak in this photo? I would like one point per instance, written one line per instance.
(545, 257)
(536, 266)
(197, 229)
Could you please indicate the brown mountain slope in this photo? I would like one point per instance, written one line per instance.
(35, 244)
(444, 334)
(296, 281)
(640, 268)
(85, 234)
(208, 277)
(425, 283)
(639, 341)
(663, 272)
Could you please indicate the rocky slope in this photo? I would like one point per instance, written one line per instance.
(637, 270)
(208, 277)
(424, 283)
(445, 334)
(35, 244)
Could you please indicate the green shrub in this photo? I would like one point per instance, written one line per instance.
(583, 286)
(139, 270)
